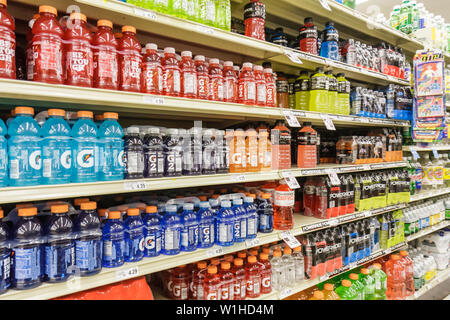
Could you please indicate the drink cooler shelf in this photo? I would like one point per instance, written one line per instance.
(440, 277)
(430, 194)
(302, 224)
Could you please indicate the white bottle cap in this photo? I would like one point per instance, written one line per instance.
(228, 63)
(199, 58)
(153, 130)
(188, 206)
(247, 65)
(169, 50)
(236, 68)
(132, 130)
(171, 208)
(151, 46)
(257, 68)
(267, 70)
(214, 61)
(186, 54)
(172, 131)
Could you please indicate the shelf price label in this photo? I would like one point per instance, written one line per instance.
(289, 239)
(325, 4)
(328, 122)
(214, 252)
(286, 292)
(333, 177)
(238, 178)
(290, 180)
(153, 100)
(135, 185)
(252, 242)
(127, 273)
(145, 14)
(291, 118)
(205, 29)
(293, 56)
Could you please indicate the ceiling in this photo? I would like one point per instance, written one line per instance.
(438, 7)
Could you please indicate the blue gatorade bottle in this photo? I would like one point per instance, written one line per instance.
(3, 155)
(113, 239)
(252, 218)
(26, 262)
(59, 249)
(5, 256)
(265, 213)
(25, 165)
(84, 148)
(152, 232)
(189, 233)
(171, 236)
(206, 227)
(225, 222)
(134, 236)
(88, 241)
(240, 224)
(55, 149)
(110, 137)
(330, 42)
(215, 206)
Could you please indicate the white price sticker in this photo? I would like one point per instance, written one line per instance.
(153, 100)
(286, 292)
(364, 120)
(214, 252)
(435, 153)
(293, 56)
(291, 118)
(325, 4)
(252, 242)
(135, 185)
(145, 14)
(238, 178)
(415, 154)
(205, 29)
(290, 180)
(323, 278)
(368, 214)
(328, 122)
(127, 273)
(353, 265)
(290, 240)
(333, 177)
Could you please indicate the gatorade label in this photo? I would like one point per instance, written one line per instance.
(26, 263)
(57, 260)
(230, 89)
(131, 71)
(30, 63)
(261, 94)
(252, 225)
(152, 76)
(254, 19)
(79, 64)
(216, 89)
(155, 162)
(190, 83)
(226, 290)
(171, 239)
(319, 83)
(247, 90)
(88, 254)
(237, 230)
(212, 292)
(203, 86)
(152, 243)
(7, 54)
(308, 40)
(134, 245)
(5, 271)
(173, 163)
(57, 162)
(206, 231)
(113, 251)
(210, 10)
(180, 291)
(253, 285)
(171, 82)
(225, 231)
(284, 198)
(106, 64)
(189, 237)
(271, 91)
(48, 58)
(24, 163)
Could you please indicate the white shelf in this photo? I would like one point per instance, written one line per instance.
(440, 277)
(428, 230)
(424, 149)
(429, 194)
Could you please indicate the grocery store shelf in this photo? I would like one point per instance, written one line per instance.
(302, 225)
(51, 192)
(418, 148)
(429, 194)
(428, 230)
(440, 277)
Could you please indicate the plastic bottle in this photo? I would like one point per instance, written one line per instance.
(111, 143)
(189, 233)
(105, 57)
(225, 223)
(318, 95)
(409, 272)
(230, 83)
(395, 271)
(282, 86)
(271, 89)
(153, 154)
(260, 80)
(152, 232)
(247, 85)
(152, 73)
(134, 236)
(283, 207)
(55, 150)
(133, 154)
(346, 291)
(78, 56)
(130, 60)
(265, 214)
(226, 281)
(48, 47)
(202, 77)
(307, 146)
(209, 152)
(301, 89)
(254, 19)
(173, 157)
(88, 243)
(289, 266)
(238, 159)
(240, 225)
(3, 155)
(216, 86)
(308, 37)
(171, 73)
(299, 264)
(26, 257)
(5, 255)
(264, 151)
(278, 271)
(188, 76)
(197, 280)
(369, 284)
(252, 218)
(171, 235)
(206, 226)
(343, 95)
(253, 277)
(329, 293)
(212, 284)
(266, 273)
(113, 239)
(240, 282)
(25, 165)
(281, 146)
(8, 43)
(329, 47)
(358, 285)
(85, 149)
(251, 146)
(161, 6)
(332, 92)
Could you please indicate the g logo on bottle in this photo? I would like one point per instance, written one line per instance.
(35, 160)
(66, 159)
(85, 158)
(121, 158)
(149, 243)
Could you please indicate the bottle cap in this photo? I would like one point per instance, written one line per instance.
(111, 115)
(365, 271)
(48, 9)
(188, 206)
(186, 54)
(104, 23)
(78, 201)
(266, 196)
(268, 70)
(114, 215)
(215, 261)
(2, 214)
(202, 198)
(26, 212)
(201, 265)
(353, 276)
(151, 209)
(91, 205)
(133, 130)
(169, 50)
(277, 253)
(24, 110)
(238, 262)
(225, 265)
(346, 283)
(297, 249)
(287, 250)
(133, 212)
(77, 16)
(403, 253)
(3, 2)
(253, 252)
(171, 208)
(212, 269)
(328, 286)
(237, 202)
(199, 58)
(214, 61)
(263, 256)
(129, 29)
(151, 46)
(251, 259)
(205, 205)
(60, 208)
(85, 114)
(266, 250)
(56, 112)
(242, 254)
(248, 65)
(226, 204)
(257, 68)
(395, 257)
(228, 64)
(318, 294)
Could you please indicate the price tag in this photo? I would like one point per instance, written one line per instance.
(368, 214)
(290, 240)
(324, 278)
(325, 4)
(364, 120)
(333, 222)
(205, 29)
(145, 14)
(252, 242)
(290, 180)
(333, 177)
(238, 178)
(300, 114)
(293, 56)
(153, 100)
(353, 265)
(328, 122)
(286, 292)
(435, 153)
(127, 273)
(135, 185)
(291, 118)
(214, 252)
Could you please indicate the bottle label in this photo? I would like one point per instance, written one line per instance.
(24, 163)
(134, 245)
(152, 243)
(210, 10)
(58, 259)
(134, 162)
(79, 63)
(155, 162)
(85, 157)
(171, 239)
(27, 263)
(113, 250)
(319, 83)
(212, 292)
(284, 198)
(247, 90)
(261, 95)
(174, 162)
(106, 66)
(152, 78)
(216, 88)
(206, 234)
(252, 225)
(171, 81)
(225, 232)
(253, 284)
(189, 237)
(88, 255)
(282, 86)
(5, 269)
(203, 86)
(48, 55)
(229, 91)
(189, 83)
(255, 10)
(130, 71)
(57, 161)
(7, 55)
(30, 63)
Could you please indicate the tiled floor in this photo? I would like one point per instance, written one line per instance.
(439, 292)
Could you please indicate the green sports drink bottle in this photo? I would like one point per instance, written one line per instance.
(332, 92)
(318, 95)
(301, 89)
(343, 95)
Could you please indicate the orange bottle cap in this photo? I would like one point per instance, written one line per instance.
(201, 265)
(79, 201)
(225, 265)
(365, 271)
(3, 2)
(215, 196)
(266, 250)
(353, 276)
(277, 253)
(266, 196)
(263, 256)
(111, 115)
(133, 212)
(85, 114)
(403, 253)
(91, 205)
(298, 249)
(26, 212)
(60, 208)
(114, 215)
(318, 294)
(287, 250)
(328, 286)
(104, 23)
(77, 16)
(56, 112)
(377, 266)
(215, 261)
(151, 209)
(253, 252)
(252, 195)
(129, 29)
(395, 257)
(242, 255)
(212, 269)
(2, 214)
(48, 9)
(24, 110)
(238, 262)
(202, 198)
(346, 283)
(102, 212)
(251, 259)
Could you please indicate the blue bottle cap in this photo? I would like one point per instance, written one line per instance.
(188, 206)
(205, 204)
(226, 204)
(237, 201)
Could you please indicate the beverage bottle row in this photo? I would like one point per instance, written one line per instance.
(432, 177)
(324, 44)
(435, 245)
(423, 215)
(214, 13)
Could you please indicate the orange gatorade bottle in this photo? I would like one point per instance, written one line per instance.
(251, 146)
(238, 154)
